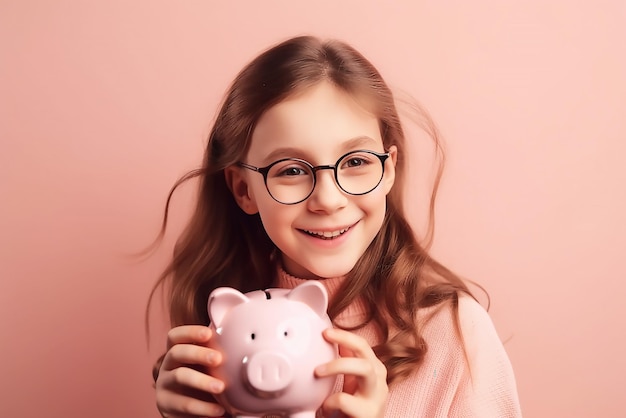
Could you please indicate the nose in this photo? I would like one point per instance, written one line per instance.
(326, 196)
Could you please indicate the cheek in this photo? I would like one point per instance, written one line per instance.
(274, 215)
(377, 207)
(376, 200)
(266, 204)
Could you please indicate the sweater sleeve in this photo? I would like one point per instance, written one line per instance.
(487, 387)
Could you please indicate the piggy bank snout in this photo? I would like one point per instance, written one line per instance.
(267, 374)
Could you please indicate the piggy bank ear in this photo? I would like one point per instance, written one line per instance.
(222, 300)
(313, 294)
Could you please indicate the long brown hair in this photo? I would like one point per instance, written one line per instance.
(223, 246)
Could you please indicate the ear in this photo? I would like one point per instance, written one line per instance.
(312, 294)
(222, 300)
(237, 182)
(390, 169)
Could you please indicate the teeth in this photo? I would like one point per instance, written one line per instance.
(326, 234)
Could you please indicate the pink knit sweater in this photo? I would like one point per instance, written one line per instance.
(448, 383)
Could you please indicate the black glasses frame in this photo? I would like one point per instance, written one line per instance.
(314, 169)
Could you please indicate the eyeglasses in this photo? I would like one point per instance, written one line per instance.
(291, 180)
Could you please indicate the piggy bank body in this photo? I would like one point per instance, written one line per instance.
(271, 342)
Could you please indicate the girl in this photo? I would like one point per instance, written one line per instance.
(302, 179)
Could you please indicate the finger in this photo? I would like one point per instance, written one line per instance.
(353, 345)
(346, 365)
(349, 343)
(343, 404)
(369, 379)
(345, 352)
(190, 354)
(186, 378)
(176, 405)
(188, 334)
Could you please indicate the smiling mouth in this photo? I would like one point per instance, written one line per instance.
(326, 235)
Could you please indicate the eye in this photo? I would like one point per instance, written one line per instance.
(289, 168)
(293, 171)
(355, 161)
(252, 336)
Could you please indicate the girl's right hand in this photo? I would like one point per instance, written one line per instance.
(183, 390)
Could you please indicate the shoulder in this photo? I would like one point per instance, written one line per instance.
(474, 323)
(470, 329)
(489, 385)
(477, 328)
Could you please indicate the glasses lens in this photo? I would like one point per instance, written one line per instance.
(290, 181)
(359, 172)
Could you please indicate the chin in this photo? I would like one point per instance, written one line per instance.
(315, 272)
(328, 272)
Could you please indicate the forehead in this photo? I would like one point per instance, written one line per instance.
(320, 123)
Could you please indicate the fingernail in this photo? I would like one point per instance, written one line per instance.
(215, 359)
(219, 411)
(217, 387)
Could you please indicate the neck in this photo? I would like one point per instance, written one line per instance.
(350, 316)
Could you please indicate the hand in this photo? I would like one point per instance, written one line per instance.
(365, 388)
(182, 391)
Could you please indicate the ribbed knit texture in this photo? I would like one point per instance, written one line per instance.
(449, 383)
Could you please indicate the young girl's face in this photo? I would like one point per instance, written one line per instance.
(324, 235)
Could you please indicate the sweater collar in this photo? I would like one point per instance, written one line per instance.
(356, 310)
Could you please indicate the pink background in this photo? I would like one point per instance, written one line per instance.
(104, 104)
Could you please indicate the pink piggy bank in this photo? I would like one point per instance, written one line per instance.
(271, 341)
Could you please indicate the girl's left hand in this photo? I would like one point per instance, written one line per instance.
(365, 388)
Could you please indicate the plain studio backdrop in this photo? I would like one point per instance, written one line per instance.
(104, 104)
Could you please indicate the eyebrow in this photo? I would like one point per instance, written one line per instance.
(292, 152)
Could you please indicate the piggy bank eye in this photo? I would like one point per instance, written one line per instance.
(252, 336)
